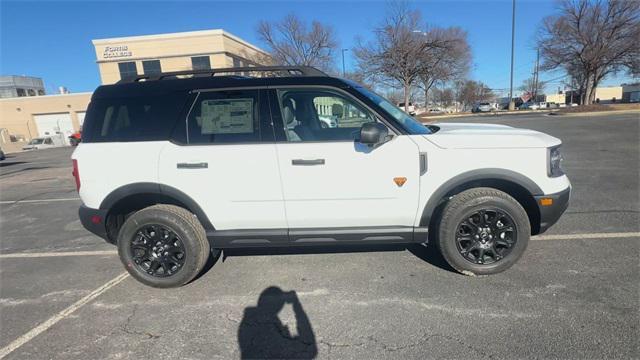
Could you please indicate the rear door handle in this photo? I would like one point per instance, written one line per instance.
(200, 165)
(302, 162)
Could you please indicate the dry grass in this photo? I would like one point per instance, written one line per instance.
(600, 107)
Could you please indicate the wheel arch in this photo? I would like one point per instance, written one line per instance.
(516, 185)
(132, 197)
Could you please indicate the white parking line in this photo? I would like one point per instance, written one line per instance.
(54, 254)
(38, 200)
(587, 236)
(61, 315)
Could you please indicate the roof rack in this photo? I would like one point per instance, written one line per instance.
(286, 70)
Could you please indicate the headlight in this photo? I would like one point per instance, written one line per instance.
(554, 164)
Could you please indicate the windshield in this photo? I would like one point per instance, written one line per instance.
(36, 141)
(409, 124)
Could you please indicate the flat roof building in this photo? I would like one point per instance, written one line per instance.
(126, 57)
(18, 86)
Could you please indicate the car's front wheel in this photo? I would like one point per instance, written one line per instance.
(483, 231)
(163, 246)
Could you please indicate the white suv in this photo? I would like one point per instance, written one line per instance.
(173, 170)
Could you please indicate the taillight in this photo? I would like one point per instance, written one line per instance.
(76, 174)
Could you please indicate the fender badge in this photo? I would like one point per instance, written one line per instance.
(399, 181)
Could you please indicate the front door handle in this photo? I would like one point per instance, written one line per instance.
(200, 165)
(302, 162)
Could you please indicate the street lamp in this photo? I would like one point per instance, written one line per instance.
(343, 71)
(512, 104)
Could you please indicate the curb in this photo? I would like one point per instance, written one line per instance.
(597, 113)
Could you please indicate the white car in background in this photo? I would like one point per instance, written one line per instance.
(40, 143)
(482, 107)
(328, 121)
(529, 106)
(411, 109)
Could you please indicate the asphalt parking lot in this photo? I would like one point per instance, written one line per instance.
(574, 294)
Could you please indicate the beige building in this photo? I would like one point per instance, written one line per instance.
(556, 98)
(24, 118)
(126, 57)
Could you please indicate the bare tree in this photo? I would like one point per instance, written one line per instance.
(291, 42)
(592, 39)
(394, 55)
(532, 87)
(469, 92)
(451, 60)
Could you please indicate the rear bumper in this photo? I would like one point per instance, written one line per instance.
(549, 215)
(89, 217)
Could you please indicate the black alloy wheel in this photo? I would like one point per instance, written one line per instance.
(158, 250)
(486, 236)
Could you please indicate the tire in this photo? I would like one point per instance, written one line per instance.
(492, 251)
(188, 250)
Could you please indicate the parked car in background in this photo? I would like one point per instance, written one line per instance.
(411, 110)
(75, 138)
(46, 142)
(529, 106)
(482, 107)
(328, 121)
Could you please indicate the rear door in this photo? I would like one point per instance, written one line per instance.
(226, 161)
(329, 179)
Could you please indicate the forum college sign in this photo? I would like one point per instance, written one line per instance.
(111, 52)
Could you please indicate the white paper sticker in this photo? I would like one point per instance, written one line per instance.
(229, 116)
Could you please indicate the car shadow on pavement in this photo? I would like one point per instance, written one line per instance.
(262, 335)
(429, 254)
(6, 163)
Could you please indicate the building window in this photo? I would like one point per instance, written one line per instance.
(31, 92)
(200, 63)
(151, 67)
(21, 92)
(128, 70)
(237, 62)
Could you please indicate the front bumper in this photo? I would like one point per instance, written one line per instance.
(88, 218)
(550, 214)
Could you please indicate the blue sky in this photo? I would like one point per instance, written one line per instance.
(52, 39)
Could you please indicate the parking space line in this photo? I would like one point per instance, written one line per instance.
(61, 315)
(38, 200)
(54, 254)
(587, 236)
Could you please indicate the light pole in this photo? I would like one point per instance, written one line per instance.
(343, 71)
(512, 105)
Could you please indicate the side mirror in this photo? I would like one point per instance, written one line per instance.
(373, 134)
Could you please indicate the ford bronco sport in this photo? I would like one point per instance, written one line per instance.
(176, 167)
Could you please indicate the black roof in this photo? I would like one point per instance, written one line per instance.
(207, 79)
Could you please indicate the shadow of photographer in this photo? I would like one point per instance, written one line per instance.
(262, 335)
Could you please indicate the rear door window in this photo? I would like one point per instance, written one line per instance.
(149, 118)
(225, 117)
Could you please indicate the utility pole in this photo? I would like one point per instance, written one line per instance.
(343, 69)
(512, 104)
(536, 76)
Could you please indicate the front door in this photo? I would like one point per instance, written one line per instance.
(332, 181)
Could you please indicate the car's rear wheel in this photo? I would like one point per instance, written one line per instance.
(163, 246)
(483, 231)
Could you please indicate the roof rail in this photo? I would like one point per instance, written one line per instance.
(287, 70)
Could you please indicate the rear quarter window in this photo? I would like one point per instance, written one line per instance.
(140, 118)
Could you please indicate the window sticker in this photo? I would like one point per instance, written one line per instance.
(228, 116)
